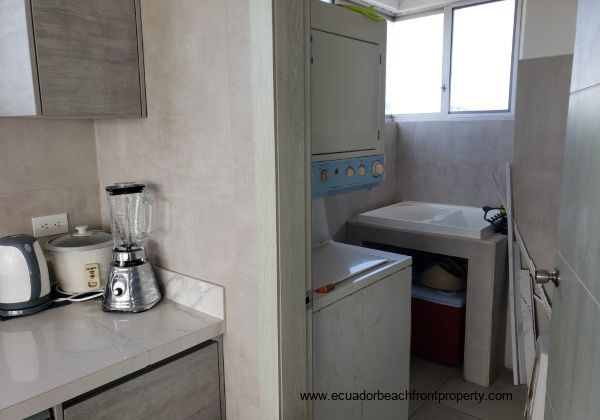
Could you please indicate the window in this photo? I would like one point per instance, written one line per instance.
(415, 85)
(458, 60)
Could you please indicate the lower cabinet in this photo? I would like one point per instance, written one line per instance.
(186, 387)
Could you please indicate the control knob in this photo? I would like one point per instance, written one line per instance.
(118, 288)
(377, 168)
(324, 176)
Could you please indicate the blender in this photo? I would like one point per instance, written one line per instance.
(131, 285)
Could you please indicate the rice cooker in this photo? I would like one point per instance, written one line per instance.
(80, 260)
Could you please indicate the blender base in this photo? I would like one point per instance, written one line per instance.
(132, 288)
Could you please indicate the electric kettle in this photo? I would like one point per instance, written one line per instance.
(24, 280)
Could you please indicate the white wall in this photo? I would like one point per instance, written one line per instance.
(548, 28)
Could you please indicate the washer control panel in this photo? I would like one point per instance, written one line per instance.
(331, 177)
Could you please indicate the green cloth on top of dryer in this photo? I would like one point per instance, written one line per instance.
(369, 12)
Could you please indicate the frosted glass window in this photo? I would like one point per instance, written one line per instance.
(482, 52)
(414, 65)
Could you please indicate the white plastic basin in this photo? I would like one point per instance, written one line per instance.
(442, 219)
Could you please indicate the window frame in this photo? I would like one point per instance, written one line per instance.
(445, 114)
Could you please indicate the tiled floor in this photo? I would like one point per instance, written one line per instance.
(426, 376)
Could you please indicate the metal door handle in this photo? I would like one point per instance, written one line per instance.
(544, 276)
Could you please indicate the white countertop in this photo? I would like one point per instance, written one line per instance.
(58, 354)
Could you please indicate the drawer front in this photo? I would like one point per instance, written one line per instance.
(186, 388)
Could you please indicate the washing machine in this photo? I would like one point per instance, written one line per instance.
(361, 332)
(361, 324)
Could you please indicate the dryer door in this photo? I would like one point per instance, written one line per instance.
(345, 93)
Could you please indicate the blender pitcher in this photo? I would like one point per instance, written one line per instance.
(130, 211)
(131, 285)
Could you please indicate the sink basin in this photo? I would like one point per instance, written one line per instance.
(434, 218)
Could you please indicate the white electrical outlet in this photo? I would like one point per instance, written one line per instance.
(50, 225)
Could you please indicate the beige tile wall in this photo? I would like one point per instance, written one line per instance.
(452, 162)
(47, 166)
(195, 150)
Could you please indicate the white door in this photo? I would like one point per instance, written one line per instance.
(345, 93)
(573, 390)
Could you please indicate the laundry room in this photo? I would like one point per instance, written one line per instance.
(458, 170)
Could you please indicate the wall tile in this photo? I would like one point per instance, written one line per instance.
(17, 208)
(541, 112)
(536, 197)
(506, 141)
(448, 183)
(40, 153)
(390, 141)
(47, 166)
(406, 140)
(473, 141)
(452, 161)
(431, 143)
(457, 141)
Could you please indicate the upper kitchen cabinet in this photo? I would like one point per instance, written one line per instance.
(71, 58)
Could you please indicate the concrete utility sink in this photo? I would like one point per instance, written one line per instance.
(444, 219)
(456, 232)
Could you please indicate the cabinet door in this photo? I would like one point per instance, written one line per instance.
(18, 76)
(87, 58)
(345, 93)
(186, 388)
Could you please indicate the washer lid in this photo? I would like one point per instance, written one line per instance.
(82, 240)
(333, 263)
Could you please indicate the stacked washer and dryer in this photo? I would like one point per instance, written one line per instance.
(361, 303)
